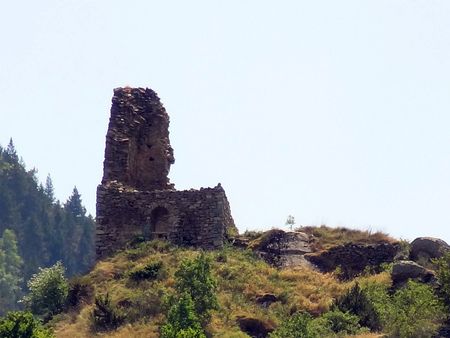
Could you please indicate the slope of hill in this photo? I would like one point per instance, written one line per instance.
(248, 288)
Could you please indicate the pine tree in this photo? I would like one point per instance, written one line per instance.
(10, 272)
(73, 204)
(48, 189)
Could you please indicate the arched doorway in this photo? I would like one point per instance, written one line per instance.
(158, 224)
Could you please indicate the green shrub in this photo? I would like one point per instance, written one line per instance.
(443, 277)
(341, 322)
(105, 315)
(415, 312)
(195, 279)
(182, 320)
(48, 291)
(149, 272)
(21, 324)
(297, 326)
(357, 302)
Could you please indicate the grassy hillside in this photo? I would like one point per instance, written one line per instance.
(241, 277)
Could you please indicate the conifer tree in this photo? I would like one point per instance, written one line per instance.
(10, 272)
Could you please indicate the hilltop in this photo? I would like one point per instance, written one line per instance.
(254, 297)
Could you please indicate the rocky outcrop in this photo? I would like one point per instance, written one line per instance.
(353, 259)
(402, 271)
(136, 198)
(427, 248)
(283, 249)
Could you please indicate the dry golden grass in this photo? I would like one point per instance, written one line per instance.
(240, 275)
(325, 237)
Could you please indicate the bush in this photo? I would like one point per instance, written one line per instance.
(443, 277)
(48, 291)
(182, 320)
(105, 315)
(415, 312)
(357, 302)
(298, 326)
(22, 325)
(149, 272)
(79, 292)
(195, 279)
(341, 322)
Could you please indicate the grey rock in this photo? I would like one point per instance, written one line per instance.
(402, 271)
(428, 247)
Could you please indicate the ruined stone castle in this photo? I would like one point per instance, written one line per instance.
(136, 198)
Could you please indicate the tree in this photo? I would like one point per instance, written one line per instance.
(22, 325)
(290, 221)
(48, 189)
(182, 321)
(48, 291)
(195, 279)
(11, 151)
(73, 204)
(10, 272)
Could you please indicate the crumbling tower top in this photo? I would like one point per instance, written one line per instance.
(138, 152)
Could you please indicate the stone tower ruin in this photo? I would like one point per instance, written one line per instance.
(136, 199)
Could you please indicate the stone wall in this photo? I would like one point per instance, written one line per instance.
(138, 151)
(136, 199)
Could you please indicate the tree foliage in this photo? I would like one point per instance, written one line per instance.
(22, 325)
(48, 291)
(195, 279)
(182, 320)
(10, 272)
(46, 230)
(443, 277)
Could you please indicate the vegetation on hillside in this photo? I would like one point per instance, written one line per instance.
(36, 229)
(185, 284)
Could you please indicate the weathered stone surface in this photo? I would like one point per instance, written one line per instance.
(136, 198)
(138, 152)
(404, 270)
(354, 258)
(284, 249)
(254, 327)
(428, 247)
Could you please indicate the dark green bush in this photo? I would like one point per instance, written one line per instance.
(21, 324)
(105, 315)
(79, 291)
(341, 322)
(357, 302)
(149, 272)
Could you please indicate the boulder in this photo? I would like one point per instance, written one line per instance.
(402, 271)
(428, 247)
(283, 249)
(254, 327)
(353, 258)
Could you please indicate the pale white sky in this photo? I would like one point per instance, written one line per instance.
(336, 112)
